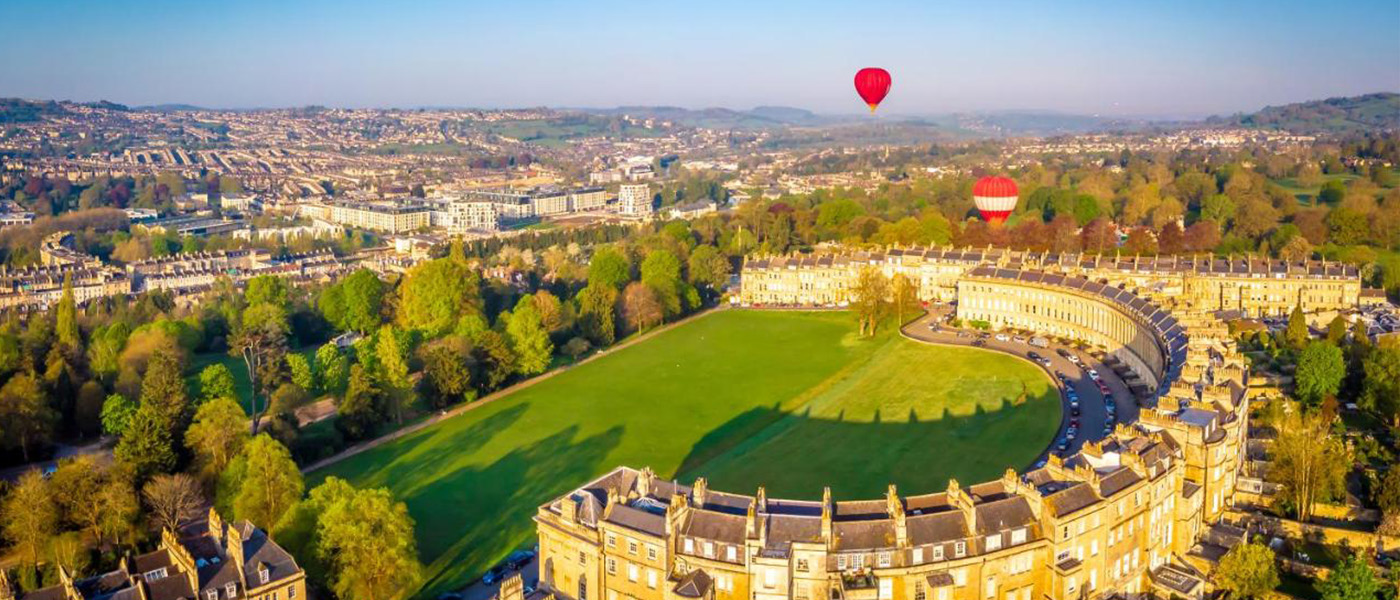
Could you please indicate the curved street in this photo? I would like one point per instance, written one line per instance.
(1092, 404)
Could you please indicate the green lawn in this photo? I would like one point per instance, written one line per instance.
(792, 400)
(242, 384)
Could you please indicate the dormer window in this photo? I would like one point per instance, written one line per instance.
(231, 590)
(155, 574)
(263, 575)
(211, 594)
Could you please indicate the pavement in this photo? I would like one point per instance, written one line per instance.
(1093, 411)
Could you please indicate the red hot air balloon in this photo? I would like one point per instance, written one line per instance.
(872, 83)
(995, 198)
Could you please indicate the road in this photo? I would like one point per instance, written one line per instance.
(1093, 413)
(480, 590)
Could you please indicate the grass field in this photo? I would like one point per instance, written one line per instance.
(791, 400)
(242, 384)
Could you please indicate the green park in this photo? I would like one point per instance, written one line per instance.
(794, 401)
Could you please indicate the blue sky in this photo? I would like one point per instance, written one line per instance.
(1113, 57)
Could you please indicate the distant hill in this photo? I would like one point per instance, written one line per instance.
(171, 108)
(1032, 123)
(1336, 116)
(763, 117)
(18, 110)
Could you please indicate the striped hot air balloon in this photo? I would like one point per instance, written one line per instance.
(995, 197)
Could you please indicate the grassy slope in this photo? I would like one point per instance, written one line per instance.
(678, 401)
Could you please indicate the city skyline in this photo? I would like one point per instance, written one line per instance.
(1189, 60)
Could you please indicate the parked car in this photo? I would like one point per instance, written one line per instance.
(1033, 355)
(493, 576)
(963, 334)
(519, 559)
(1093, 374)
(1063, 353)
(1040, 341)
(1074, 411)
(1019, 340)
(1001, 337)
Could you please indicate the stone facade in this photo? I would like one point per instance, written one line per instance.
(1253, 286)
(1121, 516)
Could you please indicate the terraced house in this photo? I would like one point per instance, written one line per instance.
(223, 561)
(1253, 286)
(1132, 513)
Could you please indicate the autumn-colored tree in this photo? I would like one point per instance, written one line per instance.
(870, 299)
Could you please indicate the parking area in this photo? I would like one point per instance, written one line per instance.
(486, 588)
(1088, 412)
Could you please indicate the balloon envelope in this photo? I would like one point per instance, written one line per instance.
(872, 83)
(995, 198)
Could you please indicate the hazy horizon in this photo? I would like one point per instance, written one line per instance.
(1186, 60)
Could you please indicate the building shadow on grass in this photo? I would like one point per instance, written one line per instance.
(798, 454)
(468, 518)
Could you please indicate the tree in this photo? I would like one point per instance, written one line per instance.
(446, 372)
(529, 338)
(576, 347)
(163, 389)
(260, 338)
(217, 434)
(1297, 249)
(494, 354)
(271, 482)
(904, 296)
(301, 371)
(66, 318)
(1296, 334)
(30, 517)
(1321, 369)
(116, 414)
(641, 308)
(174, 500)
(146, 447)
(609, 268)
(391, 350)
(73, 485)
(216, 381)
(333, 367)
(552, 312)
(1218, 207)
(1351, 579)
(1381, 383)
(435, 294)
(870, 299)
(1247, 571)
(360, 409)
(355, 303)
(708, 268)
(105, 349)
(661, 271)
(87, 411)
(1308, 462)
(367, 541)
(27, 418)
(1387, 495)
(596, 309)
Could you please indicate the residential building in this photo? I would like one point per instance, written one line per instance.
(219, 561)
(635, 200)
(377, 216)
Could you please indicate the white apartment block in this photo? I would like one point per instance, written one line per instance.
(634, 199)
(468, 216)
